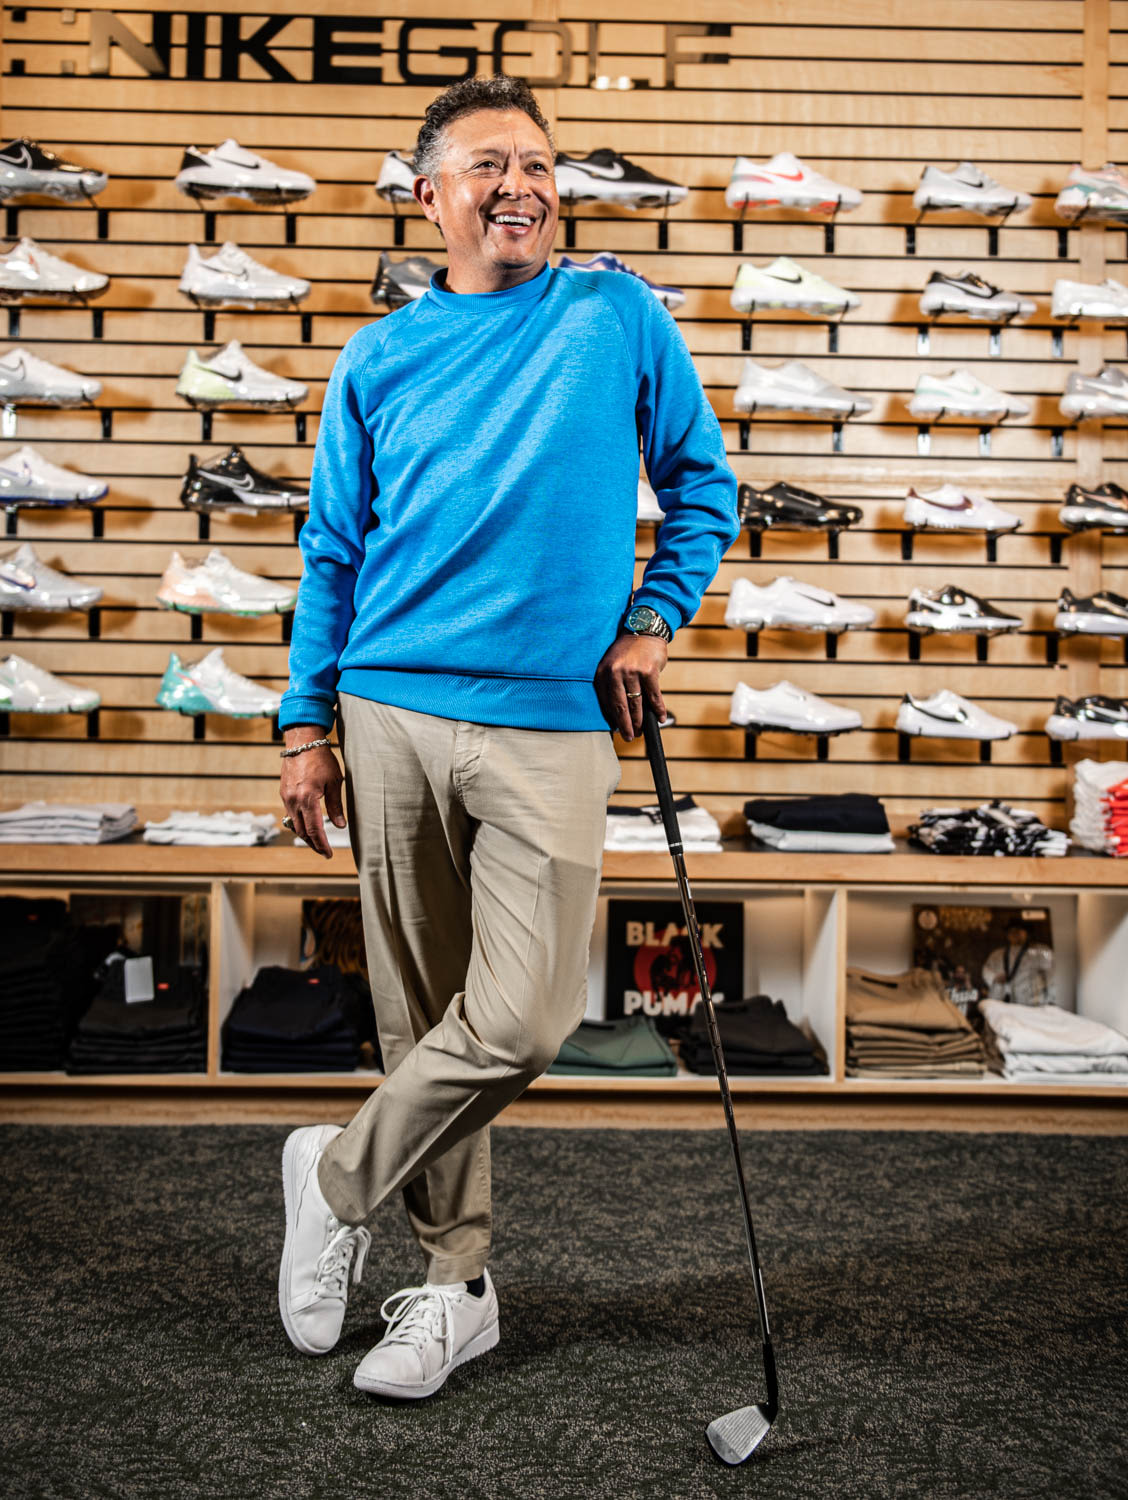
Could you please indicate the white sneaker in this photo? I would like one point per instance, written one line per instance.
(945, 715)
(26, 478)
(794, 387)
(962, 393)
(28, 584)
(789, 183)
(1099, 194)
(210, 686)
(27, 379)
(648, 507)
(397, 178)
(232, 278)
(1078, 299)
(785, 604)
(952, 508)
(785, 706)
(950, 609)
(1103, 395)
(969, 187)
(229, 376)
(26, 688)
(320, 1254)
(217, 585)
(27, 270)
(969, 296)
(230, 171)
(785, 283)
(431, 1331)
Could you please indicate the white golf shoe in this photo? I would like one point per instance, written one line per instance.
(228, 375)
(789, 183)
(396, 181)
(1107, 300)
(26, 688)
(952, 508)
(320, 1255)
(793, 386)
(217, 585)
(968, 187)
(431, 1331)
(26, 583)
(232, 278)
(786, 604)
(945, 715)
(785, 283)
(785, 706)
(962, 393)
(231, 171)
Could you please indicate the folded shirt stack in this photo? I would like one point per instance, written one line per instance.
(298, 1021)
(46, 980)
(904, 1026)
(1100, 806)
(627, 1048)
(641, 828)
(62, 823)
(167, 1034)
(991, 828)
(1035, 1043)
(756, 1037)
(848, 821)
(240, 828)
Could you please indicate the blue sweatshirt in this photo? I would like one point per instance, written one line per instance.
(470, 545)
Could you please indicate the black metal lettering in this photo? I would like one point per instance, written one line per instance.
(233, 46)
(326, 48)
(408, 73)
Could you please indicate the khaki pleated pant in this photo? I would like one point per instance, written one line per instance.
(479, 851)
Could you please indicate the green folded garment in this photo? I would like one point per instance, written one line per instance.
(631, 1047)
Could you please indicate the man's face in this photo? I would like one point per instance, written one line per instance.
(494, 199)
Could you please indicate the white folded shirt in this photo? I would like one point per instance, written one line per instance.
(1047, 1029)
(64, 823)
(231, 828)
(1064, 1063)
(793, 840)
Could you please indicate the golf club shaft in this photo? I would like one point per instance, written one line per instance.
(657, 756)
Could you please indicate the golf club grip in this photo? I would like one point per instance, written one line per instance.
(661, 774)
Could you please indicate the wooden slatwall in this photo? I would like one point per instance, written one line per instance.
(869, 91)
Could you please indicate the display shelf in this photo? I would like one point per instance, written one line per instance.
(807, 918)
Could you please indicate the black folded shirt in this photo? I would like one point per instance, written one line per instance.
(756, 1037)
(843, 812)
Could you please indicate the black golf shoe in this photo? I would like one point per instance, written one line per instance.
(231, 482)
(1103, 613)
(398, 282)
(1104, 508)
(1092, 718)
(784, 507)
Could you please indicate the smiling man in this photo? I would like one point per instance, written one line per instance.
(468, 615)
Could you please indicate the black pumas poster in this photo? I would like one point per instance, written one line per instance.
(650, 970)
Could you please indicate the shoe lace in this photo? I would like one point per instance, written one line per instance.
(418, 1314)
(345, 1250)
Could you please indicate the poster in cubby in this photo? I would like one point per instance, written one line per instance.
(650, 968)
(987, 953)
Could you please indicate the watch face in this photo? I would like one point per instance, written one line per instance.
(641, 618)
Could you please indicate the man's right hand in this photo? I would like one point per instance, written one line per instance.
(307, 780)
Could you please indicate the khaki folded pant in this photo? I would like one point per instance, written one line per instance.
(479, 851)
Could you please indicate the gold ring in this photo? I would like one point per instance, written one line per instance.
(288, 822)
(634, 695)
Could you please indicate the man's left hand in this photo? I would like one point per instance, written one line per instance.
(629, 670)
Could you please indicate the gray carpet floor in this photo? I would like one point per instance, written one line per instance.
(949, 1315)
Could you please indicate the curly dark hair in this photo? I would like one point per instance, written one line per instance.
(466, 97)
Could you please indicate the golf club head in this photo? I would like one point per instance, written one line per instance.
(736, 1436)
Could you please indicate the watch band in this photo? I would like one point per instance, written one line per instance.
(644, 620)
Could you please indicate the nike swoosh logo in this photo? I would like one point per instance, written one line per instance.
(23, 160)
(787, 176)
(245, 483)
(962, 504)
(959, 716)
(814, 596)
(593, 171)
(777, 277)
(229, 161)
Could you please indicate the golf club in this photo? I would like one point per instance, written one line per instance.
(736, 1436)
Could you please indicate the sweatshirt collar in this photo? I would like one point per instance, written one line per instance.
(487, 302)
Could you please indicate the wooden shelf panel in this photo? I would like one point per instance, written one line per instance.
(284, 862)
